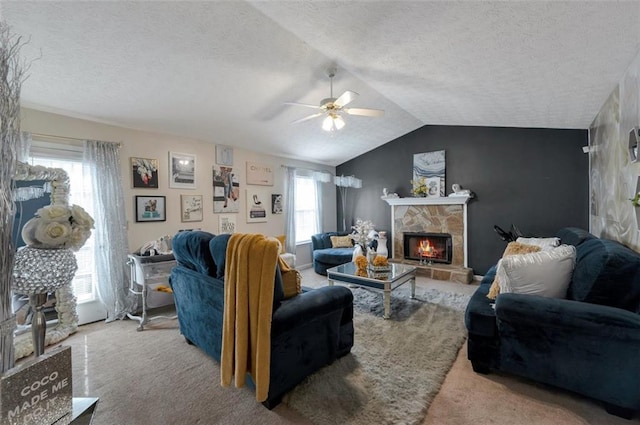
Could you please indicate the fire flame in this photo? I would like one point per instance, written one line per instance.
(425, 249)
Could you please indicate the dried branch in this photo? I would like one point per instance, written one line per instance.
(12, 74)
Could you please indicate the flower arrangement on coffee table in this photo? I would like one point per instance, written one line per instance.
(362, 233)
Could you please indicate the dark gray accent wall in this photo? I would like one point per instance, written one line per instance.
(537, 179)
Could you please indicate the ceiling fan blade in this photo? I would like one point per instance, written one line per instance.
(365, 112)
(307, 118)
(345, 98)
(306, 105)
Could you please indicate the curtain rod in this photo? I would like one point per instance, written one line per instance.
(51, 136)
(305, 169)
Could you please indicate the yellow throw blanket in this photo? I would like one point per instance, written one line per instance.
(248, 307)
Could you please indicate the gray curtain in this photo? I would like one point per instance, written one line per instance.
(290, 209)
(111, 246)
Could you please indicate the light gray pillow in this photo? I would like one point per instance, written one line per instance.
(545, 273)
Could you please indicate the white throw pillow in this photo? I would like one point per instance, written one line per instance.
(543, 243)
(545, 273)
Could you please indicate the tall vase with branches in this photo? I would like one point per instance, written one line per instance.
(12, 74)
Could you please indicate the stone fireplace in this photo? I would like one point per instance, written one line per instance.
(432, 216)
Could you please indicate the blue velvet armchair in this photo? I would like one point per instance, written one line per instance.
(325, 256)
(588, 343)
(308, 331)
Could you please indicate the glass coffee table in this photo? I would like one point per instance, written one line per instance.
(397, 275)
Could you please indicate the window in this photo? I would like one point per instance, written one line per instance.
(80, 194)
(306, 209)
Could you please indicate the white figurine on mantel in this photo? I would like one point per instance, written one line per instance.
(387, 195)
(459, 191)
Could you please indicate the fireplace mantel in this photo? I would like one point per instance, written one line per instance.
(441, 200)
(397, 205)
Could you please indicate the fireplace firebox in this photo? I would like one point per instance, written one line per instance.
(428, 247)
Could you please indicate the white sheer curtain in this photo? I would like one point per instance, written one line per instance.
(290, 208)
(319, 209)
(24, 147)
(111, 246)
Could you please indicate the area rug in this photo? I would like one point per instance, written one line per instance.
(396, 366)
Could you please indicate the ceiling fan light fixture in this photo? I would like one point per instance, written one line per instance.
(327, 123)
(333, 122)
(333, 107)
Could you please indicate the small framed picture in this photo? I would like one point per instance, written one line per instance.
(257, 204)
(182, 171)
(224, 155)
(276, 203)
(191, 207)
(144, 173)
(150, 208)
(226, 224)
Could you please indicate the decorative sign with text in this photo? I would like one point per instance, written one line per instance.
(259, 174)
(39, 391)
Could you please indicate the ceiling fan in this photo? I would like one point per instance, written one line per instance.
(332, 108)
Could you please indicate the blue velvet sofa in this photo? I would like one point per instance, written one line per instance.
(588, 343)
(308, 331)
(324, 256)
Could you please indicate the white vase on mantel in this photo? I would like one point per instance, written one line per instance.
(357, 251)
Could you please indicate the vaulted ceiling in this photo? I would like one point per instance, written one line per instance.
(220, 71)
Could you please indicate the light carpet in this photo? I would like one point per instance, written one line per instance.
(396, 366)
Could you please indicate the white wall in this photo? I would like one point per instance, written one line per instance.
(144, 144)
(615, 178)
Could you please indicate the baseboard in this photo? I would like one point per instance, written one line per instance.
(304, 266)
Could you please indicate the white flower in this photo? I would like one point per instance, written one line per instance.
(361, 231)
(77, 238)
(54, 213)
(60, 226)
(52, 233)
(79, 217)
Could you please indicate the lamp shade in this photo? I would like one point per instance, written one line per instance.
(333, 122)
(348, 181)
(327, 124)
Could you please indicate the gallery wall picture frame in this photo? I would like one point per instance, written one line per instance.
(259, 174)
(182, 170)
(226, 190)
(144, 173)
(224, 155)
(150, 208)
(257, 204)
(276, 203)
(226, 224)
(191, 208)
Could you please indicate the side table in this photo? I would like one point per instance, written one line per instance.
(81, 413)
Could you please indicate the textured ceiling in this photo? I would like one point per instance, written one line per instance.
(220, 71)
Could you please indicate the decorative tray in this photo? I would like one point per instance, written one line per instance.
(379, 269)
